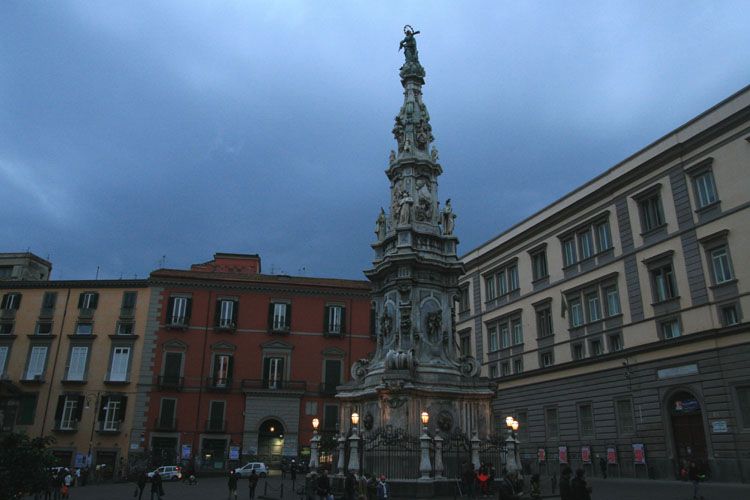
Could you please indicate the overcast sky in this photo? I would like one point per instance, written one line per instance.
(132, 130)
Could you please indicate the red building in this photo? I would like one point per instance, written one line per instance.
(244, 361)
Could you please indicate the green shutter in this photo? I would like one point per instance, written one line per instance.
(95, 301)
(270, 316)
(326, 315)
(288, 316)
(343, 320)
(217, 313)
(26, 409)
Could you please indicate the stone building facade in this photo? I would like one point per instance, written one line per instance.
(613, 320)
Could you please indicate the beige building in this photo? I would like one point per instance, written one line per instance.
(613, 320)
(70, 352)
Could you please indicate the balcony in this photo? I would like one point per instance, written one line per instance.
(213, 425)
(218, 383)
(177, 323)
(66, 426)
(170, 383)
(226, 326)
(7, 313)
(328, 389)
(46, 312)
(104, 427)
(274, 385)
(86, 313)
(165, 424)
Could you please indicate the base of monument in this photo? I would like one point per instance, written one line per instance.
(423, 488)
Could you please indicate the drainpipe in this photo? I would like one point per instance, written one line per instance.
(54, 363)
(203, 370)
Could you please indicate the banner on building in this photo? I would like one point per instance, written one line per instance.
(611, 456)
(563, 454)
(586, 454)
(541, 455)
(187, 451)
(639, 454)
(234, 453)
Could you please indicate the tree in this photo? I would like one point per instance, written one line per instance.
(24, 465)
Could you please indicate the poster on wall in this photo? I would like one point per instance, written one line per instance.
(586, 454)
(563, 454)
(234, 453)
(541, 454)
(80, 460)
(639, 454)
(187, 451)
(611, 455)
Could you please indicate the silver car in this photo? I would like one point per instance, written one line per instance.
(259, 467)
(168, 473)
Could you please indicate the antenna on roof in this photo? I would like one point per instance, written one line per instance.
(97, 272)
(301, 271)
(163, 261)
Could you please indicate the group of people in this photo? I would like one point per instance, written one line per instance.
(60, 482)
(356, 487)
(233, 483)
(477, 481)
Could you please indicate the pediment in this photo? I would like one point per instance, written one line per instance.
(277, 345)
(223, 346)
(333, 352)
(175, 344)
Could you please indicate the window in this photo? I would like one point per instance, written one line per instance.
(517, 331)
(729, 315)
(550, 420)
(624, 411)
(586, 420)
(334, 320)
(578, 353)
(128, 302)
(585, 244)
(615, 343)
(4, 349)
(743, 400)
(490, 289)
(539, 265)
(569, 252)
(509, 329)
(517, 366)
(88, 300)
(330, 418)
(172, 371)
(603, 237)
(178, 311)
(513, 278)
(125, 328)
(544, 321)
(504, 336)
(26, 409)
(592, 305)
(216, 416)
(576, 313)
(492, 335)
(167, 413)
(704, 188)
(311, 408)
(6, 272)
(613, 300)
(111, 412)
(493, 371)
(722, 268)
(505, 368)
(84, 329)
(665, 287)
(37, 362)
(44, 328)
(652, 216)
(120, 359)
(70, 412)
(546, 359)
(77, 363)
(465, 344)
(463, 302)
(222, 371)
(49, 300)
(273, 372)
(596, 348)
(501, 282)
(280, 316)
(670, 329)
(226, 313)
(331, 375)
(6, 328)
(11, 301)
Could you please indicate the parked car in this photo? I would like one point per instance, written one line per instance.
(259, 467)
(168, 472)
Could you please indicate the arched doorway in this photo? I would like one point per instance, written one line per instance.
(687, 429)
(271, 441)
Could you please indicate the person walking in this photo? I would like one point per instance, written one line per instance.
(581, 491)
(506, 490)
(382, 488)
(349, 486)
(566, 493)
(603, 467)
(67, 484)
(141, 483)
(695, 477)
(323, 486)
(156, 487)
(252, 483)
(535, 487)
(232, 483)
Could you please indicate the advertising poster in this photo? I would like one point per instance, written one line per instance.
(563, 454)
(639, 454)
(187, 451)
(234, 453)
(541, 455)
(586, 454)
(611, 456)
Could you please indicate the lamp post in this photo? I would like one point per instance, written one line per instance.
(314, 443)
(424, 442)
(511, 445)
(354, 444)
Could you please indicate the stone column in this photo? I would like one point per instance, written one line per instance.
(314, 443)
(341, 463)
(475, 451)
(354, 452)
(438, 457)
(424, 465)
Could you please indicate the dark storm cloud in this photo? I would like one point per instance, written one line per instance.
(130, 131)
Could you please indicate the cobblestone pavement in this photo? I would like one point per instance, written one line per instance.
(215, 488)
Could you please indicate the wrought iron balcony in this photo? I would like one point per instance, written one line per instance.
(216, 425)
(66, 425)
(170, 383)
(104, 427)
(328, 389)
(219, 383)
(165, 424)
(274, 385)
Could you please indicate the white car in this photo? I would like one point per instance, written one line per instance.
(168, 473)
(260, 469)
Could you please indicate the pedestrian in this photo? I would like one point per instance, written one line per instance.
(77, 478)
(67, 484)
(284, 467)
(695, 476)
(535, 487)
(603, 466)
(468, 477)
(349, 483)
(156, 487)
(323, 486)
(293, 473)
(253, 483)
(232, 483)
(141, 483)
(581, 491)
(382, 488)
(565, 492)
(506, 490)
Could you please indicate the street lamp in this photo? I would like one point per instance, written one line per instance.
(314, 445)
(424, 443)
(354, 444)
(511, 444)
(355, 419)
(425, 418)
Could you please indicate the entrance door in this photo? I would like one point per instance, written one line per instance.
(271, 441)
(105, 464)
(164, 449)
(687, 426)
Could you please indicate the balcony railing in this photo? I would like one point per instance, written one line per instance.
(328, 389)
(165, 424)
(216, 425)
(219, 383)
(274, 385)
(7, 313)
(66, 425)
(177, 322)
(104, 427)
(226, 325)
(168, 382)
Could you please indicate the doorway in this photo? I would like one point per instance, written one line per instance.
(688, 431)
(271, 440)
